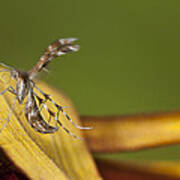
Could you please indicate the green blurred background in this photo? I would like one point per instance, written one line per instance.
(129, 60)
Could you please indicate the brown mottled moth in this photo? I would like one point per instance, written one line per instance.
(25, 88)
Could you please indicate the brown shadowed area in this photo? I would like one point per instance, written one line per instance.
(133, 132)
(8, 170)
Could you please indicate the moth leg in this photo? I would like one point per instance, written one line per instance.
(13, 91)
(61, 108)
(65, 129)
(5, 70)
(9, 115)
(9, 89)
(52, 114)
(8, 67)
(4, 91)
(1, 93)
(40, 101)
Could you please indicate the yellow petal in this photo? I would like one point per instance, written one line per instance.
(45, 156)
(129, 133)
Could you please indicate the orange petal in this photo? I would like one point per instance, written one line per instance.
(138, 171)
(129, 133)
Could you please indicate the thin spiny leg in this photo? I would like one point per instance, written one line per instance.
(42, 104)
(66, 130)
(49, 120)
(57, 120)
(9, 89)
(5, 70)
(12, 90)
(40, 101)
(4, 65)
(52, 114)
(9, 115)
(60, 108)
(1, 93)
